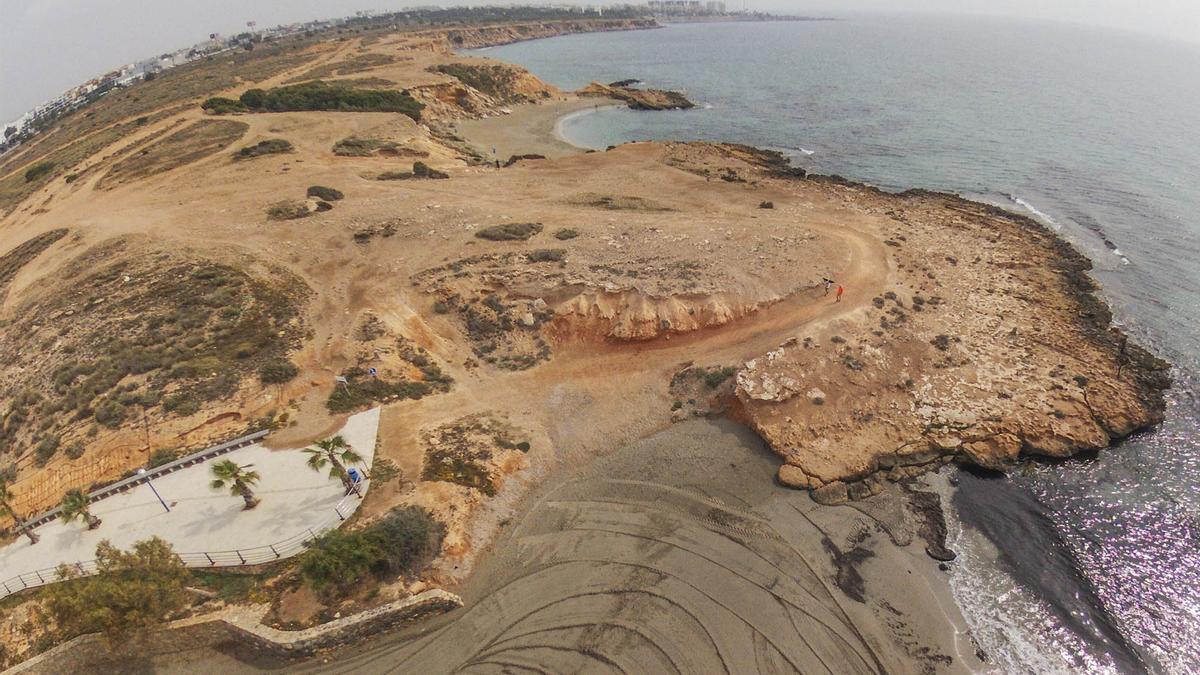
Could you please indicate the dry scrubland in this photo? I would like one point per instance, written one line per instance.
(175, 276)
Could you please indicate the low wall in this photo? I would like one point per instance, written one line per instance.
(91, 653)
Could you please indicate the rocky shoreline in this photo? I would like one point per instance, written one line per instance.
(1094, 407)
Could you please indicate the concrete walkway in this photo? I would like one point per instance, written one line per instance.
(294, 499)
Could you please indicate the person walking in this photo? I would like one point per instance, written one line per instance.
(840, 290)
(828, 283)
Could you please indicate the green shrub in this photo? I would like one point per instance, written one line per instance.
(219, 105)
(75, 450)
(327, 193)
(278, 372)
(403, 542)
(253, 98)
(162, 456)
(271, 146)
(38, 170)
(181, 404)
(509, 231)
(358, 393)
(318, 95)
(766, 205)
(547, 255)
(566, 233)
(134, 592)
(110, 413)
(409, 538)
(715, 377)
(45, 449)
(336, 559)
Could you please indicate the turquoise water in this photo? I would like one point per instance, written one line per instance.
(1095, 133)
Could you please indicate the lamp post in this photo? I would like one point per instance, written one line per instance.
(151, 486)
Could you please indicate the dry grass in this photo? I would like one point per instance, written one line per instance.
(287, 209)
(356, 64)
(173, 87)
(191, 143)
(152, 330)
(617, 202)
(14, 260)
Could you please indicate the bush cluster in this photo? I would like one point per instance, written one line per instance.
(509, 231)
(277, 372)
(327, 193)
(360, 390)
(134, 592)
(319, 95)
(403, 542)
(219, 105)
(271, 146)
(38, 170)
(287, 209)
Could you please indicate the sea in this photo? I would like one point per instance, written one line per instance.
(1089, 565)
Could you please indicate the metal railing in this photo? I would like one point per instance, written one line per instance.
(255, 555)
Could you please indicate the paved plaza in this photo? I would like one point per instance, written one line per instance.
(294, 499)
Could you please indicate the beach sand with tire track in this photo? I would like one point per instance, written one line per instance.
(678, 554)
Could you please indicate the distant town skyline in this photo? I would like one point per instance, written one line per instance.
(50, 46)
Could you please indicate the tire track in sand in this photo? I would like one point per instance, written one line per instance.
(631, 565)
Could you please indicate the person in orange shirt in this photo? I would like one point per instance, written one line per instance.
(840, 290)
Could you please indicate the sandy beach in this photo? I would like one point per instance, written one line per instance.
(529, 129)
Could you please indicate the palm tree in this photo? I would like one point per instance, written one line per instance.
(6, 508)
(228, 473)
(334, 451)
(75, 505)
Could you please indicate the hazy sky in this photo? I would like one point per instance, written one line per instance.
(48, 46)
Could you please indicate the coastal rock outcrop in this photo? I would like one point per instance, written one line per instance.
(639, 99)
(987, 343)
